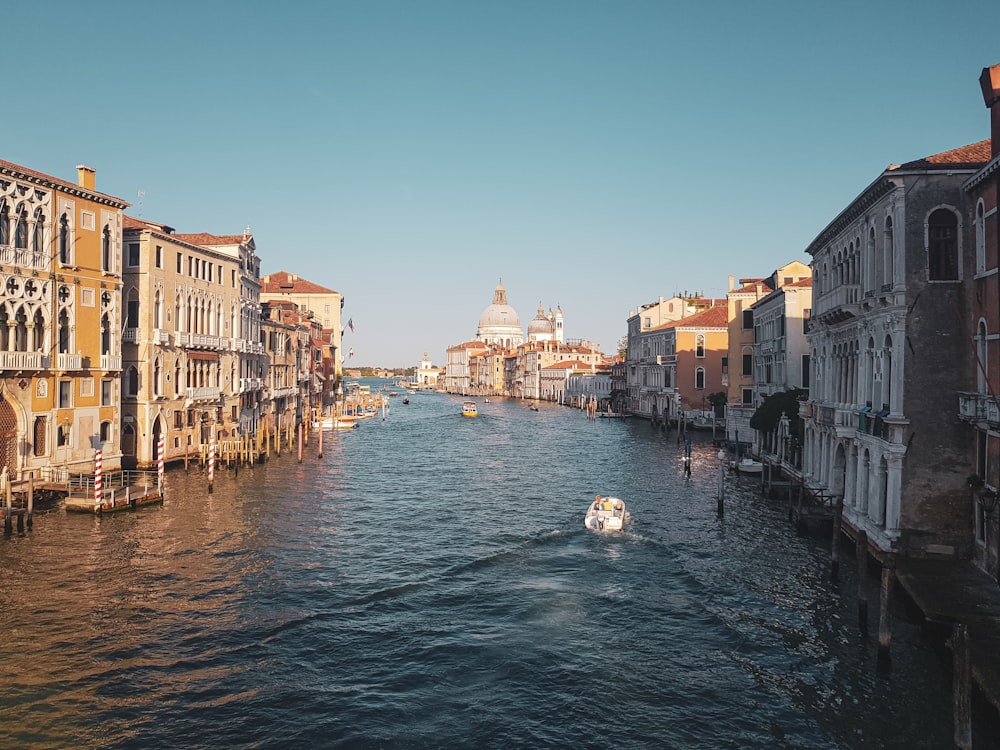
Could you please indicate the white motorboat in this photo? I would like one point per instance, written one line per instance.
(748, 466)
(606, 514)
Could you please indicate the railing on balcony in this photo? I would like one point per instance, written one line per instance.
(978, 407)
(130, 336)
(840, 296)
(23, 361)
(23, 258)
(111, 362)
(203, 394)
(203, 341)
(180, 338)
(161, 337)
(69, 361)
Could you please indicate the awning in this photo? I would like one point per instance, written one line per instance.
(204, 356)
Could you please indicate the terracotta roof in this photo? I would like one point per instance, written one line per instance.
(282, 282)
(802, 282)
(572, 365)
(713, 317)
(751, 288)
(974, 155)
(130, 222)
(204, 238)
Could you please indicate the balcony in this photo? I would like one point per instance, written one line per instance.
(111, 362)
(23, 258)
(69, 361)
(23, 361)
(161, 337)
(204, 394)
(130, 336)
(202, 341)
(839, 304)
(180, 338)
(979, 408)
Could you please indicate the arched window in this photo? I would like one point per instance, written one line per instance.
(942, 246)
(870, 262)
(887, 374)
(64, 239)
(889, 255)
(178, 385)
(157, 375)
(699, 378)
(38, 233)
(982, 354)
(21, 231)
(158, 309)
(980, 237)
(106, 432)
(106, 250)
(64, 331)
(699, 345)
(38, 332)
(4, 224)
(132, 309)
(105, 334)
(132, 382)
(21, 330)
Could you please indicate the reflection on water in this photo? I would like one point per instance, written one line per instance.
(429, 583)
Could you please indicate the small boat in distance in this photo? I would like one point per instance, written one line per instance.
(406, 399)
(606, 514)
(534, 406)
(469, 409)
(748, 466)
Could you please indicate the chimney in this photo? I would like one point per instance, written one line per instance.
(989, 82)
(732, 283)
(85, 176)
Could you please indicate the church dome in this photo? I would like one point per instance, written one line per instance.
(540, 325)
(499, 323)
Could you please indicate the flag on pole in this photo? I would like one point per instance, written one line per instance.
(350, 324)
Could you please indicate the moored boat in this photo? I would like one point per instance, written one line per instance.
(606, 514)
(469, 409)
(748, 466)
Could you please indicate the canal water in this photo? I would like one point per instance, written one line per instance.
(429, 583)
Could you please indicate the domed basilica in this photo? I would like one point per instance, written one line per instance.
(499, 324)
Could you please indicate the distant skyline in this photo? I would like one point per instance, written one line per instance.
(593, 155)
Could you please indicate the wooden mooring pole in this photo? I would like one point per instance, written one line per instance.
(861, 550)
(838, 512)
(8, 518)
(962, 686)
(31, 500)
(885, 611)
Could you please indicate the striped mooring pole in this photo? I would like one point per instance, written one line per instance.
(159, 465)
(211, 464)
(98, 481)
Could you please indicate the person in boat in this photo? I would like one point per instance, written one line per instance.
(606, 504)
(597, 502)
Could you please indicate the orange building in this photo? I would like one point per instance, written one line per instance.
(60, 323)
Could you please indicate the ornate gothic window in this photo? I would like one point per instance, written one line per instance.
(64, 239)
(942, 246)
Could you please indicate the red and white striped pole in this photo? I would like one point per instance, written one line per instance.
(211, 463)
(98, 481)
(159, 464)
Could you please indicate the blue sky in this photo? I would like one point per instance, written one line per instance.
(593, 155)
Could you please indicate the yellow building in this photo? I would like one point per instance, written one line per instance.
(60, 318)
(324, 303)
(193, 361)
